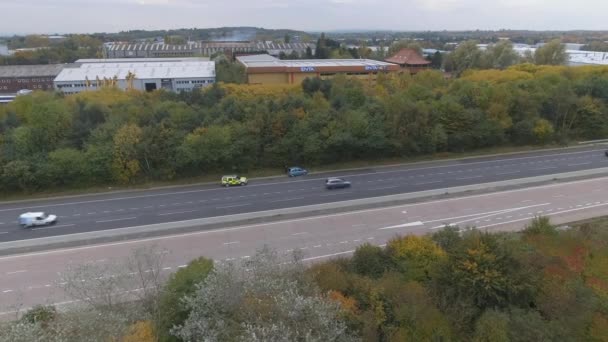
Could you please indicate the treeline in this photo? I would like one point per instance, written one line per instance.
(110, 136)
(543, 284)
(74, 47)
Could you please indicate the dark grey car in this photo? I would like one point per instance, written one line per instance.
(336, 183)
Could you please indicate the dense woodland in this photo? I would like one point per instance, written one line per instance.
(110, 136)
(543, 284)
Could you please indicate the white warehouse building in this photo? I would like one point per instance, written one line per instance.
(143, 74)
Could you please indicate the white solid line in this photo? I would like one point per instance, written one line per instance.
(545, 168)
(475, 216)
(426, 183)
(328, 255)
(337, 193)
(231, 243)
(472, 177)
(15, 272)
(51, 227)
(507, 173)
(384, 188)
(287, 199)
(579, 164)
(405, 225)
(486, 216)
(120, 219)
(178, 212)
(233, 206)
(550, 214)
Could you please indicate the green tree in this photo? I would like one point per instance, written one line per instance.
(371, 261)
(552, 53)
(492, 326)
(466, 56)
(181, 284)
(126, 165)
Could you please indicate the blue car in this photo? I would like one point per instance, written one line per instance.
(296, 171)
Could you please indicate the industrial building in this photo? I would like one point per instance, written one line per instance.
(409, 60)
(31, 77)
(192, 49)
(146, 75)
(266, 69)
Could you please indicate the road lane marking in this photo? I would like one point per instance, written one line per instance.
(385, 187)
(328, 255)
(16, 272)
(337, 193)
(233, 206)
(477, 217)
(302, 233)
(526, 201)
(3, 232)
(178, 212)
(472, 177)
(507, 173)
(405, 225)
(545, 168)
(287, 199)
(7, 291)
(231, 243)
(427, 183)
(51, 227)
(549, 214)
(119, 219)
(579, 164)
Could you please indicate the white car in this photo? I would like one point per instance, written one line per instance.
(36, 219)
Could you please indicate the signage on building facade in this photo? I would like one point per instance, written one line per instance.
(375, 67)
(307, 69)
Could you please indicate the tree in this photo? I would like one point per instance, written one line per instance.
(415, 256)
(552, 53)
(466, 56)
(126, 165)
(264, 300)
(492, 326)
(370, 261)
(500, 55)
(287, 38)
(181, 284)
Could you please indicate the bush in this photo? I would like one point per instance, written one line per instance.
(540, 225)
(370, 261)
(181, 284)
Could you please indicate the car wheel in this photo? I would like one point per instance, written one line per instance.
(24, 226)
(53, 223)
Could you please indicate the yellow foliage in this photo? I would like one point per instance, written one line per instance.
(497, 76)
(140, 332)
(252, 91)
(599, 328)
(416, 253)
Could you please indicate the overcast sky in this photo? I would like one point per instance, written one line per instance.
(87, 16)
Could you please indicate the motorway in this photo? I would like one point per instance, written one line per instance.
(36, 278)
(136, 208)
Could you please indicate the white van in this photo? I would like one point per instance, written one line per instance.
(27, 220)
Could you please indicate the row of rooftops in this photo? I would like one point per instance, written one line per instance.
(206, 45)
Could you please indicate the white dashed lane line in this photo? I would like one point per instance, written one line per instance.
(233, 206)
(53, 227)
(118, 219)
(16, 272)
(178, 212)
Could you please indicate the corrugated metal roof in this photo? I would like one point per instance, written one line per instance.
(141, 71)
(262, 61)
(47, 70)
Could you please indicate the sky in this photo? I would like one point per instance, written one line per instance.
(88, 16)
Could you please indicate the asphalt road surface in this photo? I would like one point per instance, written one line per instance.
(108, 211)
(36, 278)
